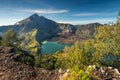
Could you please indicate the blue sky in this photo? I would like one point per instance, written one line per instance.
(66, 11)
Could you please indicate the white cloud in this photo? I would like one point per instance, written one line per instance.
(85, 14)
(102, 20)
(43, 11)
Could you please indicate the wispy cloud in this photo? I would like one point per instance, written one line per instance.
(94, 14)
(43, 11)
(102, 20)
(85, 14)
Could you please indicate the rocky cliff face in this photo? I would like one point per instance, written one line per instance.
(87, 30)
(12, 69)
(67, 28)
(71, 33)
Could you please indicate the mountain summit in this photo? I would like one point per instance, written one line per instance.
(38, 22)
(34, 15)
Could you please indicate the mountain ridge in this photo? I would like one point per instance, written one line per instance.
(48, 29)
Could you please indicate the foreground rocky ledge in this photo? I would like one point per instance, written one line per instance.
(104, 73)
(12, 69)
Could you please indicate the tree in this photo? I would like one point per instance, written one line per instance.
(107, 44)
(9, 38)
(77, 56)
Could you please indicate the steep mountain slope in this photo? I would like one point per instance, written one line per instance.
(46, 28)
(30, 43)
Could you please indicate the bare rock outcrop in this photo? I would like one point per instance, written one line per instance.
(105, 73)
(12, 69)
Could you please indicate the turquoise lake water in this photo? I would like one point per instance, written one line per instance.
(50, 47)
